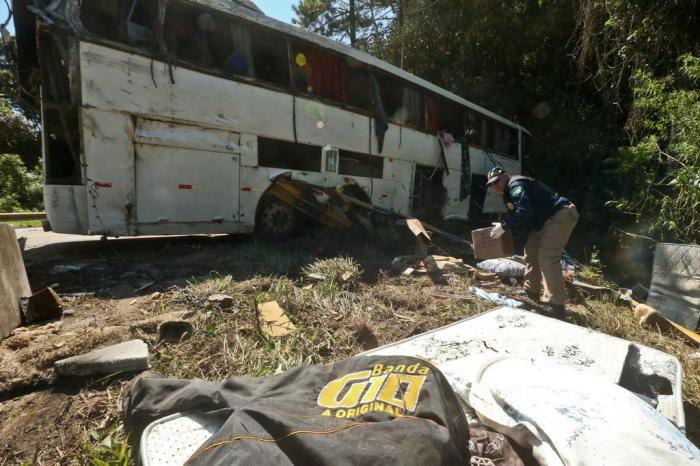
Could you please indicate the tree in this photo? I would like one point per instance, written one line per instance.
(362, 24)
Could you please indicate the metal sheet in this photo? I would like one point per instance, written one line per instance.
(183, 185)
(524, 334)
(107, 143)
(675, 284)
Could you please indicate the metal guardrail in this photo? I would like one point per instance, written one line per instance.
(22, 216)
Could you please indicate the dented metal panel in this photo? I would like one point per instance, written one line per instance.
(454, 208)
(120, 81)
(107, 143)
(182, 185)
(321, 124)
(400, 172)
(66, 208)
(187, 137)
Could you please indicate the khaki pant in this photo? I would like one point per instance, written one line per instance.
(543, 254)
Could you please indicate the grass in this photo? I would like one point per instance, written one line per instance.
(25, 224)
(340, 306)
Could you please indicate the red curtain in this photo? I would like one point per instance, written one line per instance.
(326, 75)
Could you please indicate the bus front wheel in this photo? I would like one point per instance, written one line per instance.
(276, 219)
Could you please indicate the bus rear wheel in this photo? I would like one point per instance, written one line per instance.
(276, 220)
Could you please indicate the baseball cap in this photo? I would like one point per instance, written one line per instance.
(493, 175)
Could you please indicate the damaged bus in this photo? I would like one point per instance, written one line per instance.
(177, 116)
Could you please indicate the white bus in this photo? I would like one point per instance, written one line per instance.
(174, 116)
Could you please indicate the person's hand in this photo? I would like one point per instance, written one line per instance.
(497, 231)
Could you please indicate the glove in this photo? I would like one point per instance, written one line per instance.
(497, 231)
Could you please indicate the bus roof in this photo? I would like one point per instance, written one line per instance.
(247, 12)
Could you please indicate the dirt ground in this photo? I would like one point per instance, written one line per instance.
(124, 288)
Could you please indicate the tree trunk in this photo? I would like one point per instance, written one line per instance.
(353, 24)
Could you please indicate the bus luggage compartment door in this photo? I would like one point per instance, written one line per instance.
(187, 174)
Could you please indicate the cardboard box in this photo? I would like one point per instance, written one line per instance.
(486, 247)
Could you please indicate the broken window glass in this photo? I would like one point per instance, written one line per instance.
(444, 115)
(357, 164)
(358, 85)
(127, 21)
(403, 102)
(204, 37)
(289, 155)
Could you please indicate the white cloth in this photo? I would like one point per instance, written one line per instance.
(497, 231)
(503, 267)
(568, 416)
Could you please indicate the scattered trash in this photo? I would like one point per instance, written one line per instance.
(568, 411)
(568, 266)
(650, 317)
(68, 312)
(223, 301)
(503, 267)
(65, 268)
(496, 298)
(486, 247)
(126, 357)
(42, 306)
(175, 331)
(273, 320)
(144, 287)
(84, 294)
(400, 263)
(388, 397)
(316, 276)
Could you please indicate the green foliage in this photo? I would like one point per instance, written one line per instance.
(663, 163)
(107, 448)
(20, 188)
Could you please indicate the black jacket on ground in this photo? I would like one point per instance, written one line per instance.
(389, 410)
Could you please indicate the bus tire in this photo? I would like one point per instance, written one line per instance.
(275, 219)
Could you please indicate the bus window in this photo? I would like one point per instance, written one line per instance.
(270, 57)
(203, 37)
(289, 155)
(442, 115)
(319, 73)
(356, 164)
(402, 102)
(126, 21)
(186, 33)
(358, 85)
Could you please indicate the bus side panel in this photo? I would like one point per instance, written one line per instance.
(454, 209)
(401, 175)
(109, 154)
(130, 83)
(66, 208)
(408, 144)
(321, 124)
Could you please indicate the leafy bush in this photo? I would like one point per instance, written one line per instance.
(20, 188)
(662, 166)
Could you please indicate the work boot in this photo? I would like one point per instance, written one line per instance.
(558, 311)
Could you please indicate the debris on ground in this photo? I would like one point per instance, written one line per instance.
(222, 301)
(43, 306)
(273, 320)
(503, 267)
(496, 298)
(175, 331)
(129, 356)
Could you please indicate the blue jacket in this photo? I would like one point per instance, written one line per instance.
(530, 204)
